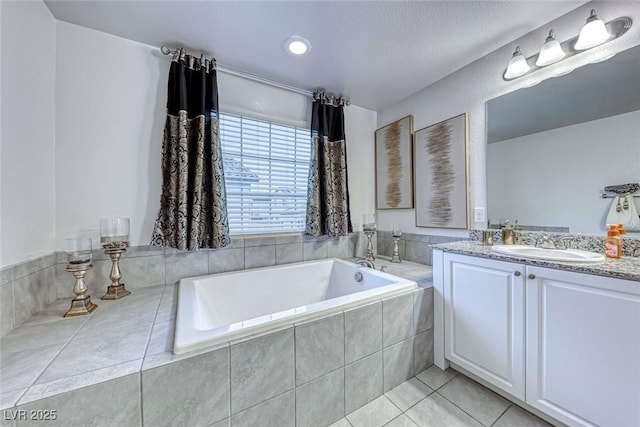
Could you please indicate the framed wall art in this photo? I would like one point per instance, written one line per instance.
(440, 163)
(394, 165)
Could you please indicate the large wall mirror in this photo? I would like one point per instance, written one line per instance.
(552, 148)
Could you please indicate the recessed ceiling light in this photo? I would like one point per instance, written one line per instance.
(297, 46)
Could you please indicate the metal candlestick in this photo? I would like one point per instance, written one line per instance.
(396, 253)
(81, 304)
(369, 230)
(116, 289)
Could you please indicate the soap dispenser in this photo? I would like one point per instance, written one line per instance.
(613, 242)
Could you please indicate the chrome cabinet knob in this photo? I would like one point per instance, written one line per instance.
(532, 276)
(517, 273)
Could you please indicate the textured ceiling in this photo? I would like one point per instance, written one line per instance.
(374, 52)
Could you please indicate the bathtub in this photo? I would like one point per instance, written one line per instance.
(218, 308)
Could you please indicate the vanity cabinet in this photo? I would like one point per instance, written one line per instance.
(565, 343)
(583, 347)
(484, 316)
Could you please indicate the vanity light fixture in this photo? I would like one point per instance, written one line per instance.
(593, 34)
(517, 65)
(550, 52)
(297, 46)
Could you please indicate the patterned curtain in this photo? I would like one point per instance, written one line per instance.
(328, 195)
(193, 209)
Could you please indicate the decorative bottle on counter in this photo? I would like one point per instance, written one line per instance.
(508, 236)
(613, 242)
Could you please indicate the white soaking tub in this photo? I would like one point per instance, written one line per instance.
(217, 308)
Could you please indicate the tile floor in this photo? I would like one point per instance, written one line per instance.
(440, 398)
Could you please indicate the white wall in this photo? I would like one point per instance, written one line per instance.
(360, 125)
(27, 131)
(110, 102)
(578, 161)
(110, 114)
(469, 88)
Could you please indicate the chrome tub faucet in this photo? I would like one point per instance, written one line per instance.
(366, 263)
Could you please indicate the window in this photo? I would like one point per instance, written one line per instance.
(266, 166)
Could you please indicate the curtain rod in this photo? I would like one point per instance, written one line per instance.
(167, 51)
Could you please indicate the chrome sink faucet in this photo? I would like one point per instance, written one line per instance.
(366, 263)
(545, 242)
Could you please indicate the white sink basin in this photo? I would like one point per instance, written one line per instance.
(563, 255)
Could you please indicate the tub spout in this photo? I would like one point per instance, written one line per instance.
(366, 263)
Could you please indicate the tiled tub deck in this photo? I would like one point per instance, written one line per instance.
(115, 366)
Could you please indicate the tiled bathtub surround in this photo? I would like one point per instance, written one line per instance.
(411, 247)
(28, 287)
(25, 289)
(585, 242)
(308, 374)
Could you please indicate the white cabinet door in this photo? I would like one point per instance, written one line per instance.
(583, 348)
(484, 319)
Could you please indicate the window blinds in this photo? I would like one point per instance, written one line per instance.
(266, 167)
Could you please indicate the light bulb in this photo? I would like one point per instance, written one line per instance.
(550, 52)
(517, 65)
(297, 46)
(592, 33)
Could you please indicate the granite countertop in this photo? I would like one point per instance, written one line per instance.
(627, 267)
(50, 354)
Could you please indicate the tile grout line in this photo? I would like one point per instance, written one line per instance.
(503, 412)
(57, 354)
(382, 343)
(415, 404)
(438, 388)
(347, 420)
(153, 322)
(295, 379)
(393, 403)
(433, 391)
(407, 415)
(509, 404)
(82, 373)
(141, 399)
(229, 356)
(13, 284)
(15, 404)
(13, 307)
(344, 364)
(393, 419)
(261, 403)
(164, 264)
(474, 418)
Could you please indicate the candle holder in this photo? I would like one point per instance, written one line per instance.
(114, 239)
(396, 234)
(78, 263)
(369, 229)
